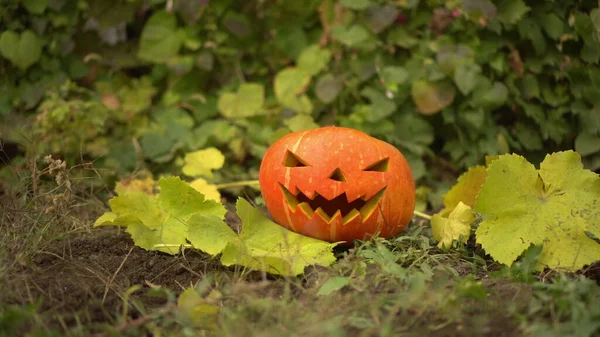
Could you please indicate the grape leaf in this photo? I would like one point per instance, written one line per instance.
(197, 311)
(511, 11)
(554, 206)
(301, 122)
(159, 222)
(179, 214)
(313, 59)
(351, 36)
(145, 185)
(290, 85)
(160, 38)
(202, 162)
(265, 245)
(465, 190)
(456, 227)
(328, 88)
(210, 191)
(355, 4)
(180, 200)
(138, 205)
(210, 233)
(35, 6)
(431, 98)
(22, 50)
(246, 102)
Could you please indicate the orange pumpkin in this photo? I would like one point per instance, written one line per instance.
(337, 184)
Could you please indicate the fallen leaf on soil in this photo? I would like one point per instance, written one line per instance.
(465, 190)
(456, 227)
(554, 206)
(180, 214)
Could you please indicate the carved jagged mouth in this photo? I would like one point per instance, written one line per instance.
(329, 208)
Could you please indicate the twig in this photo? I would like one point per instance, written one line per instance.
(422, 215)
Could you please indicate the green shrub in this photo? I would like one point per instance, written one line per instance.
(448, 82)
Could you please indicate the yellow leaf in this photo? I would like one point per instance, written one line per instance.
(456, 227)
(210, 191)
(202, 162)
(465, 190)
(139, 185)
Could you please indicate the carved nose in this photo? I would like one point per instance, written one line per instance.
(337, 175)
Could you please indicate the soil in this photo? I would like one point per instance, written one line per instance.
(88, 273)
(83, 277)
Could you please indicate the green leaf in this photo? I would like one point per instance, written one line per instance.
(432, 97)
(291, 39)
(156, 145)
(552, 25)
(595, 18)
(394, 74)
(196, 311)
(21, 50)
(528, 136)
(180, 200)
(456, 227)
(313, 59)
(35, 6)
(202, 162)
(587, 143)
(382, 106)
(160, 222)
(290, 84)
(160, 39)
(379, 18)
(138, 205)
(300, 122)
(351, 36)
(247, 102)
(511, 11)
(491, 97)
(529, 86)
(552, 207)
(401, 37)
(356, 4)
(465, 77)
(210, 233)
(328, 88)
(450, 57)
(265, 245)
(333, 284)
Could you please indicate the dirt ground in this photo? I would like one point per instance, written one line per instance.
(83, 277)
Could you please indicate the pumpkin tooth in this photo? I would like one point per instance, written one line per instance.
(320, 212)
(305, 207)
(350, 216)
(290, 198)
(371, 204)
(310, 206)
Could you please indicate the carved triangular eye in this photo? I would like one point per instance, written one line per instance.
(292, 160)
(380, 166)
(337, 175)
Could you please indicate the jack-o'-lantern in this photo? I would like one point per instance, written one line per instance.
(337, 184)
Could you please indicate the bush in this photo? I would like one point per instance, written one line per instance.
(447, 82)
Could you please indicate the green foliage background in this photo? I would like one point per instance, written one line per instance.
(137, 83)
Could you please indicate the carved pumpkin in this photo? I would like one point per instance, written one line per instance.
(337, 184)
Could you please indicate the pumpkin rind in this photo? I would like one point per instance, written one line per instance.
(342, 166)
